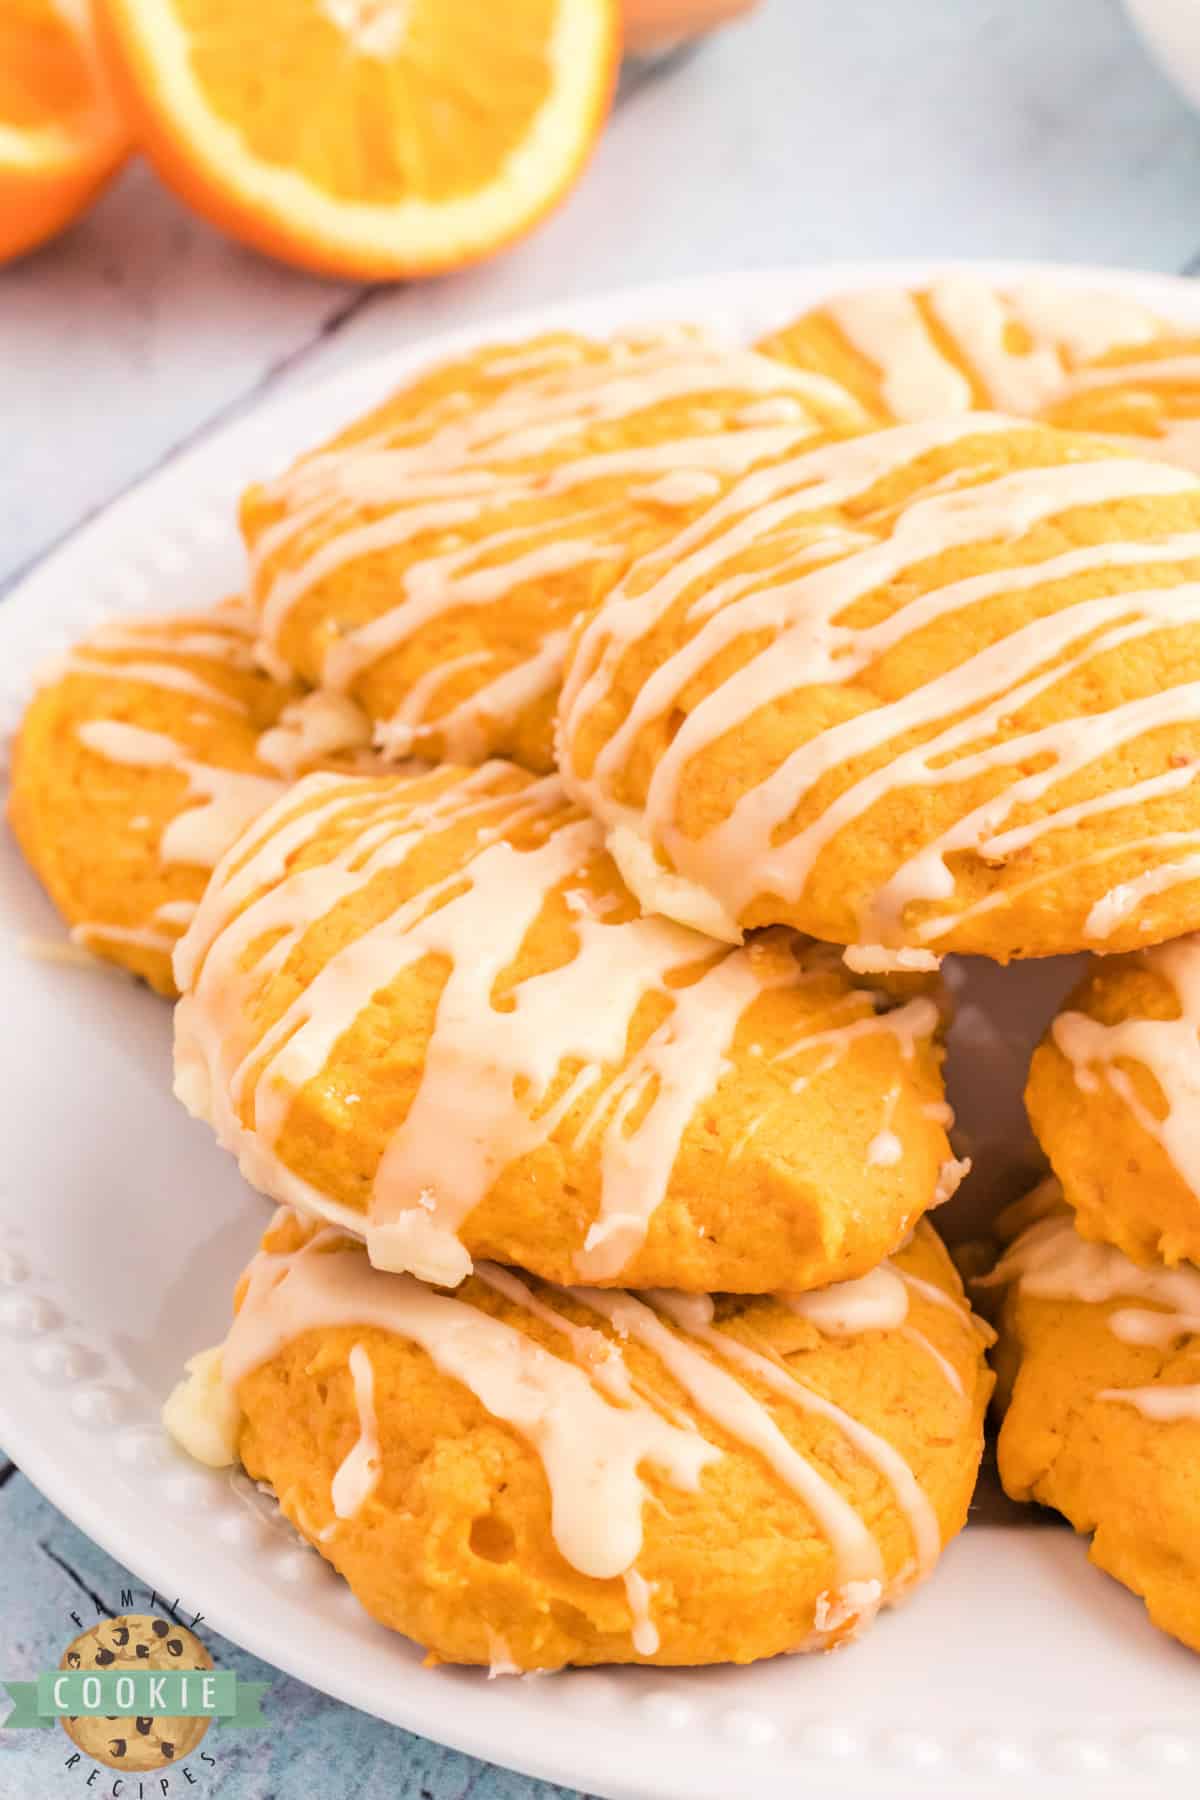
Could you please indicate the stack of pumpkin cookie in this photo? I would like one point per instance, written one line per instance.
(1099, 1372)
(1100, 1326)
(594, 1058)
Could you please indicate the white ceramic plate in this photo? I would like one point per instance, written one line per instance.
(122, 1228)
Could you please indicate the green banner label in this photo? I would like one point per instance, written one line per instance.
(113, 1693)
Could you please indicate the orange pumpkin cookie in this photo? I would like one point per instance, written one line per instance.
(527, 1476)
(960, 344)
(141, 757)
(934, 688)
(427, 1009)
(1113, 1092)
(1101, 1359)
(1145, 393)
(430, 561)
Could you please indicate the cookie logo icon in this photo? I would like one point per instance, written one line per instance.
(132, 1643)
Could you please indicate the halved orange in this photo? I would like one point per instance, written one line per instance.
(61, 133)
(368, 138)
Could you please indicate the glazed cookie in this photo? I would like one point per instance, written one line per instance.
(959, 345)
(141, 757)
(1147, 393)
(527, 1476)
(125, 1644)
(1113, 1094)
(934, 688)
(426, 1008)
(1102, 1361)
(430, 561)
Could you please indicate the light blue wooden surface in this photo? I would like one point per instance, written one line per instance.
(815, 131)
(314, 1748)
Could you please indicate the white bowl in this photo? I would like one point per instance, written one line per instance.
(1170, 30)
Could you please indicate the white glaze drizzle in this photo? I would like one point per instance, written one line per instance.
(150, 674)
(201, 1412)
(878, 1301)
(176, 912)
(483, 1098)
(919, 380)
(262, 859)
(885, 1149)
(936, 1356)
(683, 1061)
(951, 1176)
(879, 959)
(756, 849)
(220, 802)
(735, 1409)
(686, 487)
(1175, 441)
(590, 1424)
(909, 1024)
(474, 460)
(693, 1313)
(1114, 907)
(885, 326)
(465, 728)
(224, 633)
(139, 937)
(500, 1661)
(1016, 381)
(1154, 372)
(1162, 1404)
(1083, 323)
(592, 1350)
(311, 728)
(591, 1450)
(1170, 430)
(1168, 1048)
(1051, 1261)
(56, 950)
(639, 1593)
(929, 1290)
(357, 1475)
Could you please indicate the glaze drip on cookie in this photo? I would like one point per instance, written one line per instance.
(610, 1389)
(219, 803)
(1101, 1359)
(1146, 396)
(1051, 1261)
(546, 1037)
(1169, 1048)
(879, 1302)
(145, 752)
(432, 560)
(955, 734)
(1113, 1094)
(960, 344)
(591, 1451)
(359, 1471)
